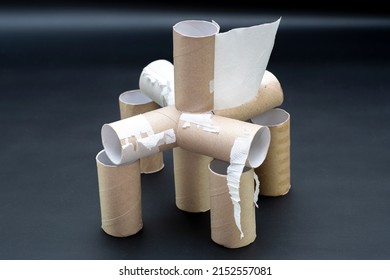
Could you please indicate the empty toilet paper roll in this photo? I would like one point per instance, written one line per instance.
(215, 136)
(157, 82)
(135, 102)
(120, 196)
(193, 60)
(140, 136)
(224, 230)
(269, 96)
(191, 180)
(274, 172)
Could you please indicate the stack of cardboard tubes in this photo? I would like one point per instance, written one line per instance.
(223, 159)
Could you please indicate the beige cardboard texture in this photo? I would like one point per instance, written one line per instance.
(269, 96)
(215, 136)
(223, 227)
(120, 196)
(193, 59)
(274, 172)
(191, 180)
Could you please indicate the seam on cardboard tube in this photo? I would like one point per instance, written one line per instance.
(175, 54)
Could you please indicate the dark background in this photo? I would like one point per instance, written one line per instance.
(63, 66)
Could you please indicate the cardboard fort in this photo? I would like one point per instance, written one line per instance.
(216, 107)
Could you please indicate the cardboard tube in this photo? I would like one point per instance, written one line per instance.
(214, 136)
(274, 172)
(269, 96)
(140, 136)
(132, 103)
(223, 228)
(120, 196)
(191, 180)
(193, 59)
(157, 82)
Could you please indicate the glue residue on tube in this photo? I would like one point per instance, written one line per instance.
(203, 120)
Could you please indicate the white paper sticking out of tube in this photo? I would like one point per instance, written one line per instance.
(156, 81)
(238, 156)
(241, 58)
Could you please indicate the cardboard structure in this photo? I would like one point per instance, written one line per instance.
(220, 137)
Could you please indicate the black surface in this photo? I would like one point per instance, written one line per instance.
(60, 77)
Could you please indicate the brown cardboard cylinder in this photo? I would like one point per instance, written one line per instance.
(223, 227)
(191, 180)
(193, 59)
(122, 140)
(134, 102)
(274, 172)
(269, 96)
(120, 196)
(218, 145)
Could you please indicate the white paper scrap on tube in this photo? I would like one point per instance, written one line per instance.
(241, 58)
(238, 156)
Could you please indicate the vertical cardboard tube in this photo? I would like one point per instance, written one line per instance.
(274, 172)
(223, 228)
(269, 96)
(191, 180)
(135, 102)
(120, 196)
(214, 136)
(140, 136)
(193, 59)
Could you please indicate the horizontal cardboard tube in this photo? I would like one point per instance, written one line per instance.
(218, 144)
(269, 96)
(157, 82)
(139, 136)
(120, 196)
(193, 59)
(274, 172)
(135, 102)
(223, 228)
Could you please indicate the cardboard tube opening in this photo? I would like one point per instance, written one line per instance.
(103, 159)
(196, 28)
(134, 97)
(219, 167)
(259, 147)
(271, 118)
(112, 144)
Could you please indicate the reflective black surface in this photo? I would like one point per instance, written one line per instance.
(61, 73)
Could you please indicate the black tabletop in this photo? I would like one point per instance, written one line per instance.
(61, 73)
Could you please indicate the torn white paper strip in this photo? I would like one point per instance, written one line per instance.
(238, 156)
(241, 58)
(257, 189)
